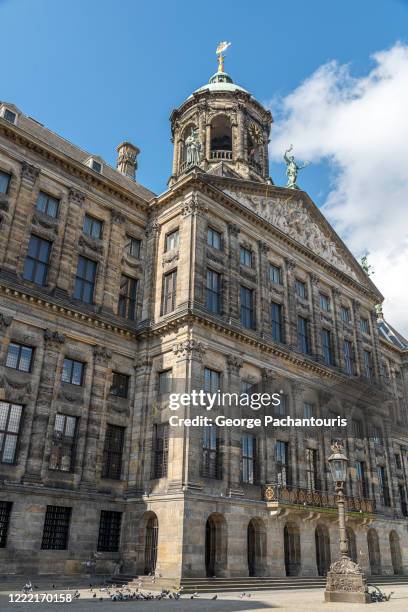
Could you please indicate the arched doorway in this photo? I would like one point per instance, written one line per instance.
(374, 552)
(323, 557)
(152, 534)
(291, 539)
(215, 545)
(352, 546)
(396, 553)
(256, 547)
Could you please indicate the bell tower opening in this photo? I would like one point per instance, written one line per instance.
(221, 138)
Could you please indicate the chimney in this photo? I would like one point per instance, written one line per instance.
(126, 162)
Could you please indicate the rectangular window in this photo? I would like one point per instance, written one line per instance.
(245, 257)
(361, 477)
(383, 483)
(120, 385)
(10, 421)
(327, 347)
(311, 469)
(63, 443)
(109, 531)
(303, 335)
(247, 308)
(358, 429)
(134, 247)
(169, 292)
(160, 450)
(277, 322)
(127, 297)
(9, 116)
(403, 500)
(282, 408)
(95, 165)
(214, 238)
(73, 372)
(47, 204)
(5, 513)
(300, 289)
(282, 463)
(211, 466)
(364, 326)
(19, 357)
(368, 364)
(345, 314)
(213, 292)
(56, 528)
(275, 274)
(324, 302)
(248, 459)
(92, 227)
(376, 434)
(212, 380)
(398, 461)
(112, 452)
(37, 261)
(165, 382)
(172, 240)
(5, 179)
(348, 355)
(308, 410)
(85, 280)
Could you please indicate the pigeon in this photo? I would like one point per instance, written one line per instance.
(94, 595)
(214, 598)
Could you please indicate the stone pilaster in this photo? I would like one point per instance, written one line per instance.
(315, 322)
(233, 298)
(113, 270)
(150, 270)
(263, 303)
(338, 336)
(234, 364)
(357, 335)
(291, 316)
(76, 201)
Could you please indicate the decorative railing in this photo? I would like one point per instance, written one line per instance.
(298, 496)
(221, 155)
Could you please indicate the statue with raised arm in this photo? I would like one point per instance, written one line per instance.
(368, 268)
(193, 148)
(292, 168)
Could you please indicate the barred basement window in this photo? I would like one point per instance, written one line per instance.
(56, 528)
(160, 450)
(63, 443)
(112, 452)
(10, 421)
(127, 297)
(109, 531)
(5, 513)
(120, 385)
(19, 357)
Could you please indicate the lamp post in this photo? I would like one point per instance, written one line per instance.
(345, 580)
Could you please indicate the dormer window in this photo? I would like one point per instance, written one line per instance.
(94, 164)
(9, 115)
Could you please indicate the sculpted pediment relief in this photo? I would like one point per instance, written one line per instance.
(291, 216)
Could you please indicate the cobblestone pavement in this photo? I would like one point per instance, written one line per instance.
(284, 601)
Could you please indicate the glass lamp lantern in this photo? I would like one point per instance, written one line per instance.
(338, 463)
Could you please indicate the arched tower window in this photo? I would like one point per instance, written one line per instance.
(221, 138)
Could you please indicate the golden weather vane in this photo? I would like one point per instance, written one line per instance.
(223, 46)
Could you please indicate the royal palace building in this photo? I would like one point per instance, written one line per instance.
(111, 297)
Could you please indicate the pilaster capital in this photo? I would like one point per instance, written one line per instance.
(233, 229)
(153, 228)
(76, 197)
(189, 348)
(101, 354)
(290, 263)
(314, 279)
(143, 362)
(193, 206)
(5, 320)
(117, 217)
(263, 247)
(29, 173)
(53, 337)
(234, 362)
(297, 389)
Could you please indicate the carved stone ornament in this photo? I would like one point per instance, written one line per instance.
(290, 263)
(267, 374)
(233, 229)
(29, 173)
(45, 221)
(70, 394)
(53, 337)
(117, 217)
(170, 257)
(130, 261)
(153, 227)
(90, 243)
(234, 362)
(263, 247)
(215, 257)
(314, 279)
(193, 207)
(76, 196)
(189, 348)
(5, 320)
(16, 390)
(144, 361)
(101, 354)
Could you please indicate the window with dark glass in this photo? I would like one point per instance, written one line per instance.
(56, 528)
(5, 513)
(109, 531)
(172, 240)
(127, 297)
(169, 292)
(275, 274)
(403, 499)
(311, 469)
(376, 434)
(327, 347)
(383, 483)
(112, 452)
(160, 450)
(345, 314)
(63, 443)
(300, 289)
(358, 431)
(348, 355)
(282, 408)
(282, 463)
(165, 381)
(324, 302)
(92, 227)
(9, 116)
(47, 204)
(247, 307)
(303, 335)
(85, 280)
(398, 461)
(120, 385)
(134, 247)
(214, 238)
(361, 478)
(308, 410)
(212, 380)
(248, 459)
(211, 465)
(368, 364)
(37, 261)
(10, 422)
(213, 292)
(277, 322)
(19, 357)
(95, 165)
(364, 326)
(245, 257)
(73, 372)
(4, 181)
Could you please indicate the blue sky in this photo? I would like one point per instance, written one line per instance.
(98, 72)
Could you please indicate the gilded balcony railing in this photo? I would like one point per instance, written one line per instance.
(297, 496)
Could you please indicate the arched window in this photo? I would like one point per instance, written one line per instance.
(256, 547)
(215, 545)
(152, 535)
(221, 138)
(323, 558)
(396, 557)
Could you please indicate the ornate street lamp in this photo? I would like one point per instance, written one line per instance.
(345, 580)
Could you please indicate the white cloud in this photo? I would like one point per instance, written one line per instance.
(360, 127)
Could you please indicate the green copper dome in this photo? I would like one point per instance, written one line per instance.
(221, 81)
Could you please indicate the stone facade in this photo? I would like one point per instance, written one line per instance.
(174, 519)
